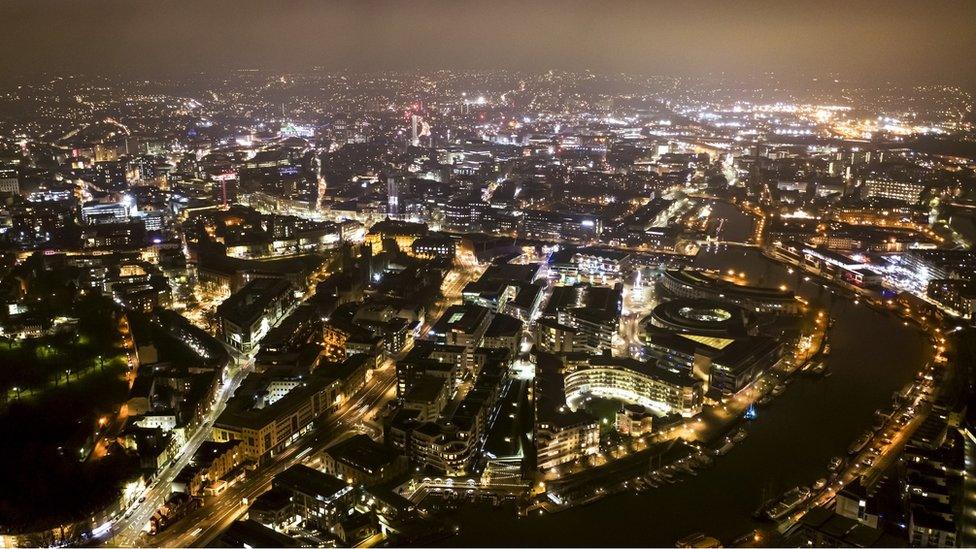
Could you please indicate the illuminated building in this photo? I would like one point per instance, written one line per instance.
(446, 361)
(597, 265)
(526, 303)
(428, 396)
(404, 233)
(693, 284)
(709, 341)
(113, 212)
(343, 338)
(940, 264)
(457, 216)
(862, 276)
(506, 289)
(955, 294)
(702, 317)
(464, 326)
(432, 246)
(110, 174)
(880, 213)
(294, 332)
(634, 420)
(359, 460)
(497, 220)
(114, 235)
(143, 296)
(595, 328)
(439, 448)
(492, 294)
(452, 445)
(561, 225)
(909, 191)
(213, 463)
(854, 502)
(9, 181)
(741, 362)
(929, 468)
(504, 332)
(396, 187)
(871, 239)
(557, 338)
(633, 382)
(248, 314)
(593, 311)
(563, 437)
(319, 498)
(930, 529)
(268, 412)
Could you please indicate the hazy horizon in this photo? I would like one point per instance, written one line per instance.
(896, 41)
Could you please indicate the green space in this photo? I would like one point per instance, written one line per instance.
(44, 475)
(58, 395)
(605, 410)
(36, 367)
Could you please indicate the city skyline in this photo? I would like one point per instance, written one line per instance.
(456, 274)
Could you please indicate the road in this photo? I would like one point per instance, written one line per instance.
(202, 525)
(126, 531)
(217, 513)
(639, 299)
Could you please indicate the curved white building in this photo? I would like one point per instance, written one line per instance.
(633, 382)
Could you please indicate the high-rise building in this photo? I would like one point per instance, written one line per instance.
(909, 191)
(9, 182)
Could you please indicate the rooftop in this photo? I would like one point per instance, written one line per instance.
(715, 284)
(241, 411)
(250, 533)
(504, 326)
(462, 318)
(248, 304)
(362, 453)
(308, 481)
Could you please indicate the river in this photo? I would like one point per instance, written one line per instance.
(790, 442)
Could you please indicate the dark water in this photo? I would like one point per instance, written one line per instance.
(790, 442)
(738, 227)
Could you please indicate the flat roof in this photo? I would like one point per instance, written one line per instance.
(245, 306)
(504, 325)
(550, 398)
(554, 324)
(426, 389)
(509, 272)
(361, 452)
(464, 318)
(526, 295)
(250, 533)
(306, 480)
(392, 227)
(212, 258)
(741, 352)
(241, 413)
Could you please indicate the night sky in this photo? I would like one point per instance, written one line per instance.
(907, 41)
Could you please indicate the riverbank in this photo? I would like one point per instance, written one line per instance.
(789, 443)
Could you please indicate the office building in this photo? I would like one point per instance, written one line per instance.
(359, 460)
(248, 314)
